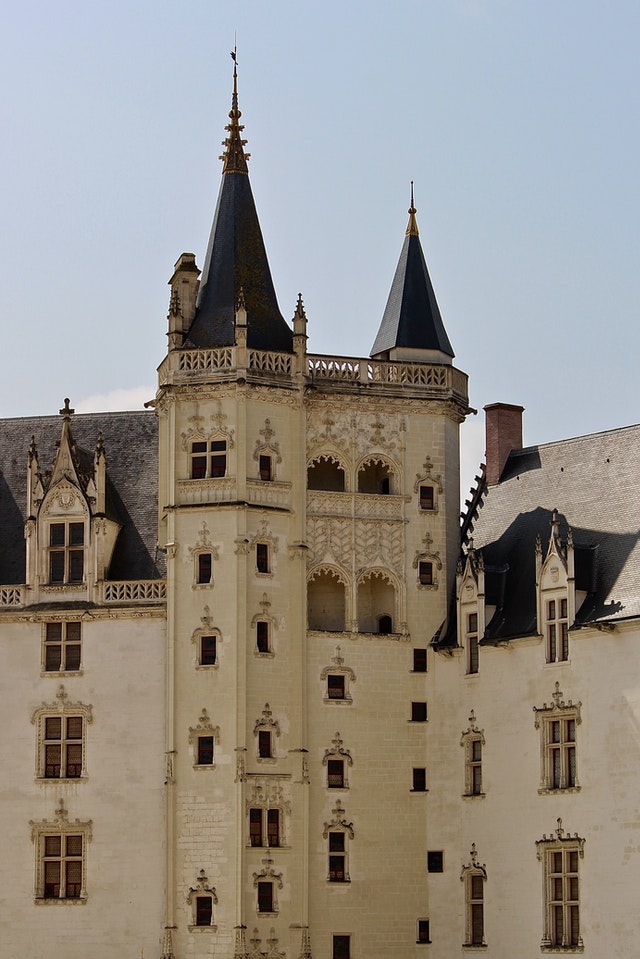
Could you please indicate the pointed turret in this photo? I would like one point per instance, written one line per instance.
(236, 259)
(412, 325)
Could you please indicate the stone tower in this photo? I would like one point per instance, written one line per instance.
(308, 506)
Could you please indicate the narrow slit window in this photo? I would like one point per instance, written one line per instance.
(262, 558)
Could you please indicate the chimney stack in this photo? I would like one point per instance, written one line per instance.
(503, 426)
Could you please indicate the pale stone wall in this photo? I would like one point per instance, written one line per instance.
(122, 680)
(506, 823)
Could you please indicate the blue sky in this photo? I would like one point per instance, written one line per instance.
(518, 122)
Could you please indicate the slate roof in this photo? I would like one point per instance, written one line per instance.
(236, 261)
(131, 450)
(412, 318)
(594, 482)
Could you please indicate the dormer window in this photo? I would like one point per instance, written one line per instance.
(66, 553)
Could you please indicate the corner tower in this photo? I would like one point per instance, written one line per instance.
(307, 507)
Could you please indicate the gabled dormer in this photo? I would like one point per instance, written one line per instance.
(471, 610)
(412, 329)
(555, 592)
(70, 537)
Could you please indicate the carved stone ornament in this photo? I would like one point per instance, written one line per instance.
(427, 476)
(558, 706)
(202, 888)
(338, 822)
(473, 865)
(337, 751)
(204, 726)
(267, 444)
(267, 721)
(268, 872)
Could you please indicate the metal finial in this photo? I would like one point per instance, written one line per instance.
(234, 157)
(412, 226)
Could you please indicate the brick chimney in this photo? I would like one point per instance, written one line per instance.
(503, 427)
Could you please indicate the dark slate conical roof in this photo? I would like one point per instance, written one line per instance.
(411, 318)
(237, 261)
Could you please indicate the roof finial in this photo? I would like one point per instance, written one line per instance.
(412, 227)
(234, 157)
(66, 410)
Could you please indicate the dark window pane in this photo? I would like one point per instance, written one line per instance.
(426, 497)
(419, 660)
(74, 761)
(423, 930)
(336, 869)
(255, 827)
(198, 467)
(204, 568)
(262, 637)
(76, 565)
(341, 947)
(208, 650)
(335, 687)
(51, 880)
(74, 727)
(418, 712)
(73, 880)
(273, 827)
(264, 744)
(426, 574)
(265, 897)
(265, 468)
(72, 657)
(336, 842)
(203, 910)
(56, 567)
(52, 658)
(435, 861)
(385, 625)
(262, 557)
(56, 534)
(76, 534)
(335, 773)
(53, 727)
(419, 779)
(205, 750)
(218, 466)
(52, 759)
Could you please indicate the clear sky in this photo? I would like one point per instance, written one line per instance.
(518, 120)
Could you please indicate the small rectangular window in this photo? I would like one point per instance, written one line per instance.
(205, 750)
(208, 650)
(335, 687)
(426, 497)
(264, 744)
(63, 747)
(419, 660)
(204, 910)
(62, 867)
(273, 827)
(435, 860)
(198, 460)
(66, 553)
(335, 773)
(418, 712)
(419, 779)
(423, 931)
(472, 643)
(341, 947)
(262, 557)
(62, 647)
(204, 567)
(265, 897)
(337, 855)
(218, 458)
(262, 637)
(265, 468)
(426, 574)
(557, 631)
(255, 827)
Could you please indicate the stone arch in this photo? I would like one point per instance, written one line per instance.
(327, 599)
(377, 601)
(327, 471)
(379, 474)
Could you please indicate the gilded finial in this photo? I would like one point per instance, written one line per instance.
(234, 157)
(412, 226)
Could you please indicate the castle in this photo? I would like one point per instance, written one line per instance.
(264, 699)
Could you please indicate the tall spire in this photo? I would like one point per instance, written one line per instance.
(237, 260)
(412, 328)
(234, 157)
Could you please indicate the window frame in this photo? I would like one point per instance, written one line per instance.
(420, 661)
(340, 946)
(262, 820)
(558, 754)
(64, 643)
(212, 458)
(556, 628)
(68, 551)
(435, 860)
(419, 779)
(63, 830)
(263, 559)
(561, 912)
(423, 931)
(472, 642)
(46, 743)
